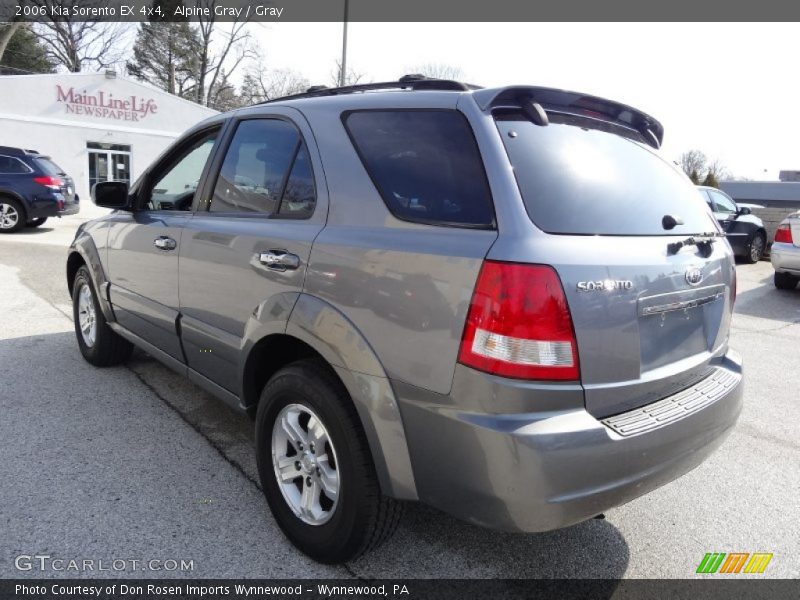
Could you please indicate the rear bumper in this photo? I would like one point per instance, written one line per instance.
(785, 257)
(538, 471)
(50, 208)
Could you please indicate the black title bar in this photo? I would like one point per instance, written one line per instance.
(398, 10)
(712, 588)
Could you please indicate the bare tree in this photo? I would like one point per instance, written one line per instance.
(261, 84)
(717, 170)
(75, 43)
(352, 77)
(698, 168)
(78, 44)
(6, 35)
(693, 163)
(438, 71)
(235, 47)
(222, 96)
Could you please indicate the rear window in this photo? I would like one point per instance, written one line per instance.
(425, 165)
(48, 166)
(584, 181)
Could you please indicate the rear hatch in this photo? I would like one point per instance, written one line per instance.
(67, 186)
(648, 321)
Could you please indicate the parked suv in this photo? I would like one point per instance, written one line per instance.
(32, 188)
(501, 302)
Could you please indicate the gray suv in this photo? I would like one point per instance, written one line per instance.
(500, 302)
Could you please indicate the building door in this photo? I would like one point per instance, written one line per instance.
(109, 162)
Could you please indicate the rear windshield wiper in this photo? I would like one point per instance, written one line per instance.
(703, 242)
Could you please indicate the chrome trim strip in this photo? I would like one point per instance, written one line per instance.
(683, 305)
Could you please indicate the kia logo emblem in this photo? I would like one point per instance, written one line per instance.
(694, 276)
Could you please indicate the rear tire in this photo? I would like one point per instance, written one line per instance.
(99, 344)
(12, 215)
(755, 249)
(360, 517)
(36, 222)
(785, 281)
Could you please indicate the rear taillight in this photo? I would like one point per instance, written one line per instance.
(54, 183)
(519, 324)
(784, 234)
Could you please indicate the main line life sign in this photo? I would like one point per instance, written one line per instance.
(105, 106)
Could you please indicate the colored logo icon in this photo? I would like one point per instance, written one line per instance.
(734, 562)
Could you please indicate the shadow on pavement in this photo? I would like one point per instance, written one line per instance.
(428, 543)
(768, 302)
(104, 417)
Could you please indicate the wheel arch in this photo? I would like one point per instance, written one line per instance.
(12, 195)
(84, 252)
(316, 329)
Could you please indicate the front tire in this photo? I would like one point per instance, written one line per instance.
(315, 466)
(36, 222)
(755, 249)
(99, 344)
(785, 281)
(12, 215)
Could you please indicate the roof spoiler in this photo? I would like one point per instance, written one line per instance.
(562, 101)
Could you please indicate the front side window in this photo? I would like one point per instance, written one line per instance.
(177, 183)
(425, 165)
(12, 166)
(266, 171)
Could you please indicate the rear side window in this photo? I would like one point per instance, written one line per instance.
(585, 181)
(48, 166)
(425, 165)
(12, 166)
(266, 170)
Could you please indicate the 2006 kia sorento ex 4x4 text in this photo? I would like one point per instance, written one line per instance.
(501, 302)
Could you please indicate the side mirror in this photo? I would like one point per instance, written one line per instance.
(743, 210)
(110, 194)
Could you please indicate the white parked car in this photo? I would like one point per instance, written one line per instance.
(785, 253)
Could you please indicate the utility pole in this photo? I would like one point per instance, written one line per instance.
(343, 71)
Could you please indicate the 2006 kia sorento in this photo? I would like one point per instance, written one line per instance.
(501, 302)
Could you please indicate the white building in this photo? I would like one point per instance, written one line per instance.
(96, 126)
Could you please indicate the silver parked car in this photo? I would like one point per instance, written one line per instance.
(500, 302)
(785, 253)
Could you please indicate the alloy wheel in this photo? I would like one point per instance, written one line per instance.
(305, 464)
(9, 217)
(87, 319)
(756, 248)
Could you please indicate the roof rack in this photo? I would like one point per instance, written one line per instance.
(406, 82)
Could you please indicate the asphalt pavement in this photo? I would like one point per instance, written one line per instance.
(136, 464)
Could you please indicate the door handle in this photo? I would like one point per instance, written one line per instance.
(279, 260)
(165, 243)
